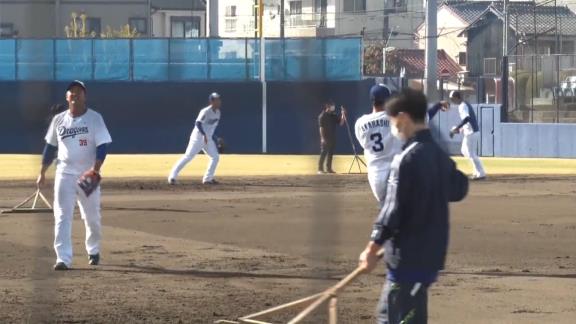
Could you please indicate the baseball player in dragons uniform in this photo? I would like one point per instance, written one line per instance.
(373, 132)
(202, 139)
(80, 137)
(469, 127)
(375, 136)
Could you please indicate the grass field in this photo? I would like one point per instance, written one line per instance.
(20, 167)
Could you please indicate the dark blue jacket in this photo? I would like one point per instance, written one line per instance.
(413, 223)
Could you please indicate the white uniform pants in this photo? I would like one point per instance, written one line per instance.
(66, 193)
(195, 145)
(378, 183)
(469, 149)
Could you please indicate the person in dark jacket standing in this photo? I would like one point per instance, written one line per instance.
(328, 120)
(413, 224)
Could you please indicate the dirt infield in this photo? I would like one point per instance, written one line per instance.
(196, 254)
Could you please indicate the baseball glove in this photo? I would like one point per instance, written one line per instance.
(89, 181)
(220, 144)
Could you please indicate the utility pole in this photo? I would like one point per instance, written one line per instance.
(504, 70)
(431, 51)
(282, 18)
(260, 31)
(212, 8)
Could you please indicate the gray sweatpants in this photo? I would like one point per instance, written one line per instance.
(403, 303)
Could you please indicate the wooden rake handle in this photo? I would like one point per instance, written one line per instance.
(331, 292)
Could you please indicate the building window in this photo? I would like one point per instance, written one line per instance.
(462, 58)
(230, 25)
(140, 24)
(490, 66)
(295, 7)
(185, 27)
(230, 11)
(399, 5)
(354, 5)
(93, 25)
(6, 29)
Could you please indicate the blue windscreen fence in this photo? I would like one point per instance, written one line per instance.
(304, 59)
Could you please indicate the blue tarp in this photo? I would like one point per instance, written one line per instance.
(196, 59)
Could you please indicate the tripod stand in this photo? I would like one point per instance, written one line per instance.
(357, 159)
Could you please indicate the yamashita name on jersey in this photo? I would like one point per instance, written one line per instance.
(375, 123)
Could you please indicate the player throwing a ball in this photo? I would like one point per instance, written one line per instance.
(81, 138)
(202, 139)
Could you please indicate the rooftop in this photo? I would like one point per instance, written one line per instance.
(527, 18)
(414, 61)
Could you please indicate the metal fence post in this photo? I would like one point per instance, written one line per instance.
(54, 66)
(131, 61)
(16, 41)
(246, 65)
(93, 58)
(208, 61)
(504, 110)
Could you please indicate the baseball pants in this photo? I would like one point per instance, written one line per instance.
(378, 183)
(195, 145)
(66, 194)
(403, 303)
(469, 150)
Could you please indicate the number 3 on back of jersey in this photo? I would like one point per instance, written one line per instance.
(378, 145)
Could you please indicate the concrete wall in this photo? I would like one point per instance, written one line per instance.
(538, 140)
(352, 23)
(42, 19)
(30, 19)
(509, 139)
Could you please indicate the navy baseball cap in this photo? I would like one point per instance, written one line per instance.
(214, 95)
(379, 93)
(76, 83)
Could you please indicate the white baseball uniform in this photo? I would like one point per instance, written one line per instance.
(76, 139)
(209, 118)
(471, 136)
(380, 146)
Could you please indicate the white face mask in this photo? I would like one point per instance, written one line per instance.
(332, 108)
(395, 132)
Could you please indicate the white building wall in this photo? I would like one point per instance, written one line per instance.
(297, 25)
(449, 27)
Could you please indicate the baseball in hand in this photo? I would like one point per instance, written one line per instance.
(445, 105)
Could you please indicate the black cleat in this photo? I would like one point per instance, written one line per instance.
(94, 259)
(61, 266)
(211, 182)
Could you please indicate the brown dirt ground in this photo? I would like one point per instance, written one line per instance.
(196, 254)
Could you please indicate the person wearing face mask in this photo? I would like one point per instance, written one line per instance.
(469, 127)
(328, 120)
(413, 224)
